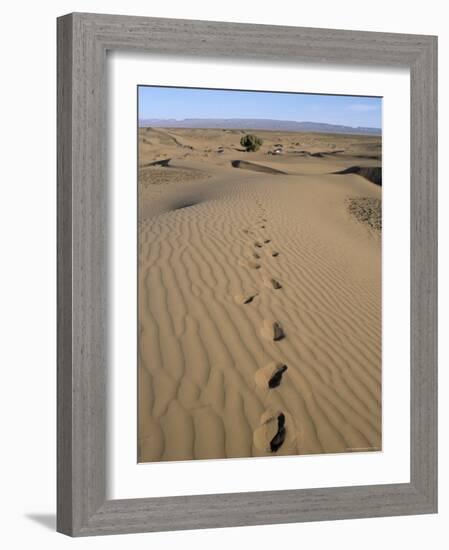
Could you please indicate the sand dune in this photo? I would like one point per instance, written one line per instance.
(243, 273)
(371, 173)
(255, 167)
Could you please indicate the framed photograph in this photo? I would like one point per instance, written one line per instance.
(247, 280)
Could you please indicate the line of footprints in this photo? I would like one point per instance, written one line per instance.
(273, 431)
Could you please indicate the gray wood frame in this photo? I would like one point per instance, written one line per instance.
(83, 40)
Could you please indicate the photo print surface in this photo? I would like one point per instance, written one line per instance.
(259, 274)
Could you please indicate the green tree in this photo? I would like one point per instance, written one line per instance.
(251, 142)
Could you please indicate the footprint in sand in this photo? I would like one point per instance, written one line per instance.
(271, 283)
(258, 244)
(266, 241)
(270, 377)
(279, 438)
(250, 263)
(245, 298)
(272, 330)
(275, 253)
(276, 431)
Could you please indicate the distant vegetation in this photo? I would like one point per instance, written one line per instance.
(251, 142)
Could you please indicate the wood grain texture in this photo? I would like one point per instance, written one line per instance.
(64, 276)
(83, 40)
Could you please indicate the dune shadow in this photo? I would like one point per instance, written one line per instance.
(163, 162)
(185, 205)
(255, 167)
(371, 173)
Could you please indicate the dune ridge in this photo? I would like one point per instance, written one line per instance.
(371, 173)
(255, 167)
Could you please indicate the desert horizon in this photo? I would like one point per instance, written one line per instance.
(259, 124)
(259, 293)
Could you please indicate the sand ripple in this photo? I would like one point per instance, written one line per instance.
(263, 271)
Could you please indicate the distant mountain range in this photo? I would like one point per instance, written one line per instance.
(258, 124)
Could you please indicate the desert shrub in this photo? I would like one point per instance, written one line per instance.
(366, 210)
(251, 142)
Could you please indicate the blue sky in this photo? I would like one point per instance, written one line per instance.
(180, 103)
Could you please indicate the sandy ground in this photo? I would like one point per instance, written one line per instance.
(259, 296)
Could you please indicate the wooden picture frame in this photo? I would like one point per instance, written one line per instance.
(83, 40)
